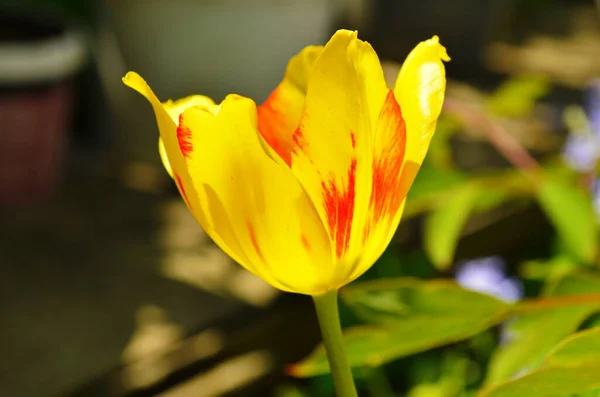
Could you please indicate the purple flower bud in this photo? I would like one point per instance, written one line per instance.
(487, 275)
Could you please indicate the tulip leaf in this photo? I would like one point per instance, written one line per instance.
(530, 337)
(398, 300)
(409, 316)
(431, 184)
(591, 393)
(548, 382)
(443, 226)
(517, 97)
(571, 212)
(580, 349)
(430, 181)
(554, 268)
(572, 367)
(289, 391)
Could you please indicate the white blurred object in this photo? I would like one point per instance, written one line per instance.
(210, 47)
(48, 59)
(217, 47)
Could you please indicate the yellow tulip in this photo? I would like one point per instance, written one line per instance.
(307, 189)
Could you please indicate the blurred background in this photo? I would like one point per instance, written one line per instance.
(110, 288)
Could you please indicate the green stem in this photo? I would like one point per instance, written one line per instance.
(331, 330)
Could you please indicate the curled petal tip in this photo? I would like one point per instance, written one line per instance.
(443, 54)
(135, 81)
(127, 79)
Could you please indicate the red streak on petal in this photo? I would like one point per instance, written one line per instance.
(184, 137)
(387, 195)
(305, 242)
(339, 208)
(298, 140)
(254, 241)
(182, 190)
(274, 127)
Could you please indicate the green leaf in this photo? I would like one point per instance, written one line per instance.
(532, 336)
(572, 367)
(430, 181)
(442, 389)
(581, 282)
(517, 96)
(431, 184)
(289, 391)
(554, 268)
(411, 316)
(548, 382)
(444, 225)
(401, 300)
(592, 393)
(440, 152)
(451, 380)
(580, 349)
(571, 212)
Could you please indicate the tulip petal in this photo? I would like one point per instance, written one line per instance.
(280, 114)
(176, 108)
(175, 164)
(387, 196)
(420, 92)
(403, 134)
(332, 148)
(275, 223)
(168, 138)
(164, 158)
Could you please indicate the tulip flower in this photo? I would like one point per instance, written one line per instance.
(307, 189)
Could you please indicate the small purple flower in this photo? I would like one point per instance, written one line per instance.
(596, 194)
(581, 151)
(582, 148)
(592, 105)
(487, 275)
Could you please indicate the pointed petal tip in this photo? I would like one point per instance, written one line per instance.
(352, 34)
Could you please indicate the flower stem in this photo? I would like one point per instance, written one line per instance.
(331, 330)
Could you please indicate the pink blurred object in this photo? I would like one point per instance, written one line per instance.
(38, 58)
(33, 139)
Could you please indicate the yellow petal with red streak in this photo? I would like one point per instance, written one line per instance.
(276, 226)
(174, 161)
(332, 147)
(280, 114)
(387, 196)
(404, 130)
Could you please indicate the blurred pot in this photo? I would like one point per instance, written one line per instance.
(210, 47)
(217, 47)
(38, 56)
